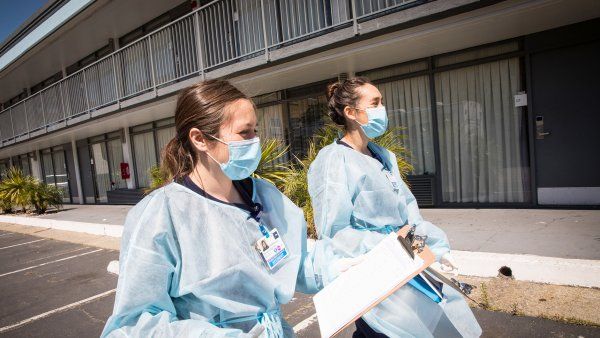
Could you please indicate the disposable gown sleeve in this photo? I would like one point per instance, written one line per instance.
(332, 207)
(436, 237)
(150, 259)
(307, 281)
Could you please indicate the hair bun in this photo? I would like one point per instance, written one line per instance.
(332, 88)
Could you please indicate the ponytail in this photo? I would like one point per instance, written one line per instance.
(176, 161)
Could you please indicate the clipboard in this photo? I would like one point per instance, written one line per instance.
(329, 324)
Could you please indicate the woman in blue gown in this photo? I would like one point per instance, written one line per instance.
(359, 197)
(214, 253)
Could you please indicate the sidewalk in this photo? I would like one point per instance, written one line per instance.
(543, 232)
(548, 246)
(105, 220)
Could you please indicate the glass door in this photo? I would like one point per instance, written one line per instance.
(106, 156)
(61, 176)
(54, 170)
(115, 157)
(100, 171)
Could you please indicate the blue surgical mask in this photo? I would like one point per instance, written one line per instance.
(244, 157)
(378, 122)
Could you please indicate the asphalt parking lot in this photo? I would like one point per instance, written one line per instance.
(52, 288)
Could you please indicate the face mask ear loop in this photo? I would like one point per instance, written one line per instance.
(212, 158)
(355, 120)
(218, 139)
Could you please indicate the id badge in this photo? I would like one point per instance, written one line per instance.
(392, 180)
(272, 249)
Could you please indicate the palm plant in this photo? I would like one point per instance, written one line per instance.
(16, 188)
(158, 178)
(270, 167)
(6, 205)
(42, 196)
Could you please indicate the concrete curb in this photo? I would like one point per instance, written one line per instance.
(111, 230)
(551, 270)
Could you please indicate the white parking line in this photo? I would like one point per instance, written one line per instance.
(303, 324)
(51, 312)
(12, 246)
(64, 253)
(58, 260)
(6, 234)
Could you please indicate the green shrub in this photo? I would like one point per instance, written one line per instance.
(16, 188)
(158, 178)
(269, 168)
(25, 191)
(6, 206)
(42, 196)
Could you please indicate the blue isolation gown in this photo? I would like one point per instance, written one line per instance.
(355, 206)
(189, 267)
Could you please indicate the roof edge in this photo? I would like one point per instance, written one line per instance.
(30, 24)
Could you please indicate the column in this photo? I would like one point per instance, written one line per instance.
(77, 172)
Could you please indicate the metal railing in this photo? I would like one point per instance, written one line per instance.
(214, 35)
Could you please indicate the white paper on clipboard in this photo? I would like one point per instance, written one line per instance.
(357, 289)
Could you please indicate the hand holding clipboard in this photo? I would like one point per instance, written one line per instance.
(386, 268)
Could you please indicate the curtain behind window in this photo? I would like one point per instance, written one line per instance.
(102, 174)
(145, 157)
(482, 134)
(271, 126)
(25, 165)
(163, 136)
(48, 173)
(60, 173)
(408, 105)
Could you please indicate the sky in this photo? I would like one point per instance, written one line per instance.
(14, 12)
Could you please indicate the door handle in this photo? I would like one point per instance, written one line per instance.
(540, 133)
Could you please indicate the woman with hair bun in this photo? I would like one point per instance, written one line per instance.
(213, 253)
(358, 197)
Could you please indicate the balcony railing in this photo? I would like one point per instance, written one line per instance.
(212, 36)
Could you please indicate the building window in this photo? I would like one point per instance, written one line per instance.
(4, 165)
(106, 154)
(306, 118)
(148, 141)
(271, 125)
(482, 135)
(408, 105)
(46, 83)
(23, 163)
(54, 170)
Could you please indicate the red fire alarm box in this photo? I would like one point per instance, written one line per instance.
(124, 170)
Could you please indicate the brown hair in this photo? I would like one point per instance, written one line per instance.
(199, 106)
(341, 95)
